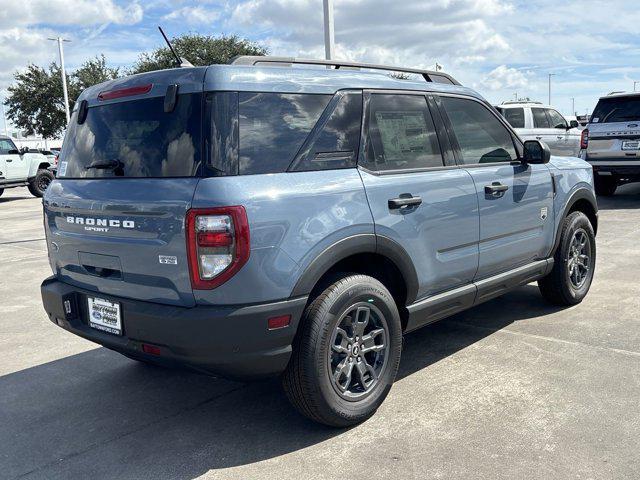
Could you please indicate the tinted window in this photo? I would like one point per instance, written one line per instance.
(556, 120)
(273, 127)
(515, 116)
(135, 139)
(401, 134)
(540, 119)
(335, 139)
(6, 145)
(481, 136)
(618, 109)
(222, 113)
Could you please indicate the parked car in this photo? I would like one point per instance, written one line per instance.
(611, 141)
(23, 168)
(259, 219)
(535, 121)
(575, 122)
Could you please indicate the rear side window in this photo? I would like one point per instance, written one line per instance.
(617, 109)
(335, 139)
(540, 119)
(401, 134)
(515, 116)
(135, 139)
(273, 127)
(481, 136)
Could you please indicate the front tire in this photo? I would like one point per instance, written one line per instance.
(574, 263)
(346, 352)
(39, 184)
(605, 186)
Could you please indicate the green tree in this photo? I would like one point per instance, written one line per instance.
(200, 50)
(35, 103)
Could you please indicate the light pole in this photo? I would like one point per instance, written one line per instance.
(4, 119)
(329, 37)
(550, 75)
(573, 106)
(64, 75)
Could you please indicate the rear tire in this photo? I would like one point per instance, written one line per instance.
(574, 263)
(39, 184)
(606, 186)
(346, 352)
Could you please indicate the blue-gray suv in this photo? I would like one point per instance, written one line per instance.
(269, 218)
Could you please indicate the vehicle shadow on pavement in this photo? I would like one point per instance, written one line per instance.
(626, 197)
(98, 414)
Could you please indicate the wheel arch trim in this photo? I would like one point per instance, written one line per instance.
(582, 193)
(353, 245)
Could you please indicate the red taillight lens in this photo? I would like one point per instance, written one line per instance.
(125, 92)
(584, 139)
(55, 160)
(218, 244)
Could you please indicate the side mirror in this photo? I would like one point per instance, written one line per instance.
(536, 152)
(574, 124)
(24, 150)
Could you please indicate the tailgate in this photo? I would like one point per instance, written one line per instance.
(122, 237)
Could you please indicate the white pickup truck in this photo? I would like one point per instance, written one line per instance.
(535, 121)
(21, 168)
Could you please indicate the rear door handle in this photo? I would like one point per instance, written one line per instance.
(496, 189)
(9, 160)
(404, 201)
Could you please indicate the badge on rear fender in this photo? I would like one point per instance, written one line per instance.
(168, 259)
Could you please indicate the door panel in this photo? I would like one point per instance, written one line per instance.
(441, 234)
(17, 166)
(516, 227)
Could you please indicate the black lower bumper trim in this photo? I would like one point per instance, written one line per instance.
(232, 341)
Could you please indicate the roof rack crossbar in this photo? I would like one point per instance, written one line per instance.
(428, 75)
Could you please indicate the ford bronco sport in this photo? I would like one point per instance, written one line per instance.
(259, 219)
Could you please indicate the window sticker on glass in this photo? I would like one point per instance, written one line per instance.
(401, 132)
(596, 120)
(62, 170)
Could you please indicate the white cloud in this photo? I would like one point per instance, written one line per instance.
(68, 12)
(193, 15)
(504, 77)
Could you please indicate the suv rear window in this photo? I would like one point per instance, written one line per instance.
(135, 139)
(617, 109)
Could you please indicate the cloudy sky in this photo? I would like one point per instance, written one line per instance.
(499, 47)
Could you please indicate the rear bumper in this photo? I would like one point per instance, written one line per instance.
(232, 341)
(616, 167)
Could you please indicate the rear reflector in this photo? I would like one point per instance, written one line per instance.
(150, 349)
(279, 322)
(125, 92)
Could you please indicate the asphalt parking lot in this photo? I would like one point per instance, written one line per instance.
(511, 389)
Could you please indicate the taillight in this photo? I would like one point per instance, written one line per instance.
(584, 139)
(55, 160)
(217, 244)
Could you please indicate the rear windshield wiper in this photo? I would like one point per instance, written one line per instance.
(105, 165)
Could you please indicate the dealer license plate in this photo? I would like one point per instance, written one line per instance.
(104, 315)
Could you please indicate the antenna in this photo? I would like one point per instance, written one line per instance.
(181, 61)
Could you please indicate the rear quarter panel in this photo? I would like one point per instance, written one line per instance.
(293, 217)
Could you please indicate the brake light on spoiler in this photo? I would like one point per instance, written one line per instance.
(125, 92)
(218, 244)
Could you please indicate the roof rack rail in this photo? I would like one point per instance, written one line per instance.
(428, 75)
(518, 102)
